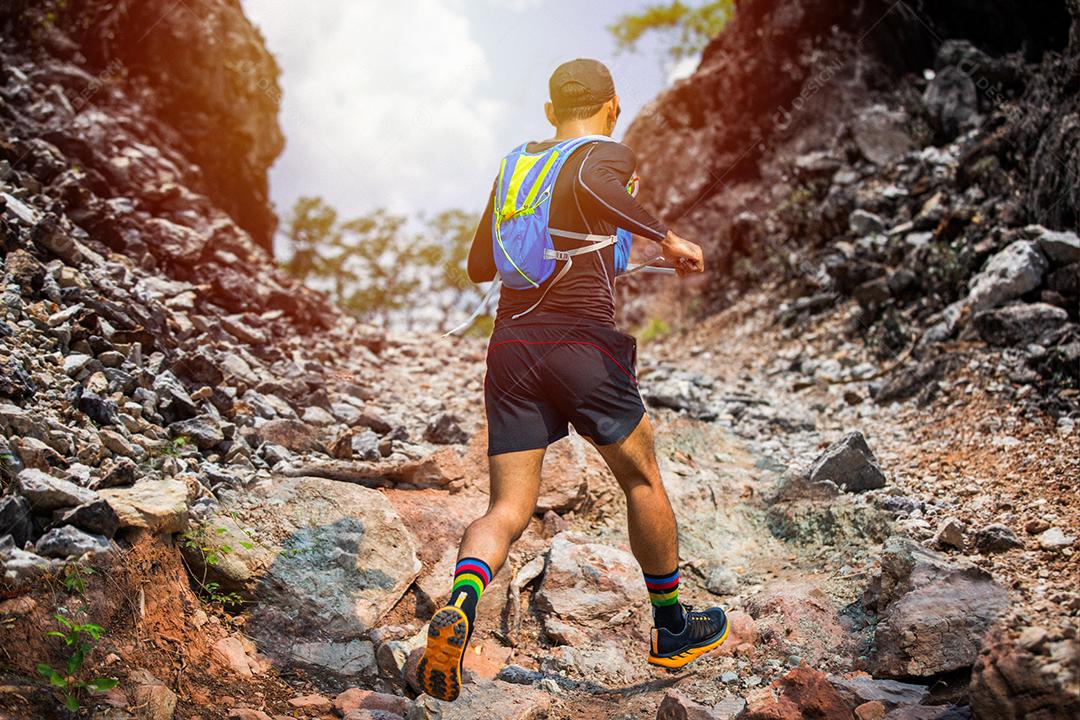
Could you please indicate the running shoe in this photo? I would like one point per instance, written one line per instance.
(704, 630)
(440, 669)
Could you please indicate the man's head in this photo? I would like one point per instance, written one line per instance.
(583, 97)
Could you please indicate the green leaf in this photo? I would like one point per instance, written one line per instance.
(246, 545)
(71, 703)
(98, 685)
(48, 671)
(56, 633)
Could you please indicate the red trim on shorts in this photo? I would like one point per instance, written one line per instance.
(570, 342)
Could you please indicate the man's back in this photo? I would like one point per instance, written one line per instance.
(589, 197)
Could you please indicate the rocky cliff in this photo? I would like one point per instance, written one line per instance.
(190, 79)
(919, 157)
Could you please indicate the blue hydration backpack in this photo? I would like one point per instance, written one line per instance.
(525, 256)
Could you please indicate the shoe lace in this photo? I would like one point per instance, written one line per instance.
(699, 624)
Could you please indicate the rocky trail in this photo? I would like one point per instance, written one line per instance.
(237, 502)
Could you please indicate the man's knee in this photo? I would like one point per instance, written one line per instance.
(512, 519)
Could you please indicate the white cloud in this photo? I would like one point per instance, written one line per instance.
(381, 103)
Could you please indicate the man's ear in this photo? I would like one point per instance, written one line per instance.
(549, 111)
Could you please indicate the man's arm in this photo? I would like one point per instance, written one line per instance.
(602, 180)
(481, 261)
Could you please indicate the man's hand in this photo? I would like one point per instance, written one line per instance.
(685, 254)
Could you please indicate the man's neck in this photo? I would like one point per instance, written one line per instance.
(575, 129)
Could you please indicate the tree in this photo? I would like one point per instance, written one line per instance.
(385, 281)
(691, 28)
(451, 233)
(311, 226)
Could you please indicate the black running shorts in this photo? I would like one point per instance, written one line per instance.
(542, 378)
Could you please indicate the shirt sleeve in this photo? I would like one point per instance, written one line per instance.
(601, 181)
(481, 264)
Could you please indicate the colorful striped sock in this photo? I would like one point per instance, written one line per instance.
(471, 576)
(664, 596)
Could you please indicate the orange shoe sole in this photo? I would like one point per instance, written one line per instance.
(688, 656)
(439, 671)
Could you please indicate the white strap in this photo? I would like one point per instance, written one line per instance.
(565, 269)
(583, 237)
(492, 292)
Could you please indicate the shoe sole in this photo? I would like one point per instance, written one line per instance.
(439, 671)
(691, 654)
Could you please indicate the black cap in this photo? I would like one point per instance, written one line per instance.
(580, 83)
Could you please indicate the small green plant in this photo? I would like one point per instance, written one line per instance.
(75, 576)
(197, 539)
(81, 640)
(652, 329)
(173, 448)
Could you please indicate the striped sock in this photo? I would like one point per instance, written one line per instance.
(471, 576)
(664, 596)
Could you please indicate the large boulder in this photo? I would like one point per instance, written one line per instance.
(321, 560)
(933, 612)
(587, 587)
(799, 619)
(1010, 683)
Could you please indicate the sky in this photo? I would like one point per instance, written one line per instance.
(410, 105)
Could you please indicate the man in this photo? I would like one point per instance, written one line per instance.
(563, 362)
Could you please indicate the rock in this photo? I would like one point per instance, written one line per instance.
(235, 652)
(797, 619)
(722, 581)
(1055, 539)
(333, 659)
(117, 473)
(357, 699)
(1017, 269)
(174, 242)
(485, 699)
(96, 517)
(202, 430)
(950, 534)
(1019, 324)
(328, 562)
(801, 693)
(445, 429)
(933, 613)
(796, 485)
(1032, 639)
(97, 408)
(872, 710)
(154, 700)
(20, 566)
(157, 505)
(391, 656)
(676, 706)
(952, 101)
(15, 519)
(1008, 683)
(863, 223)
(311, 703)
(850, 464)
(857, 690)
(316, 415)
(996, 539)
(586, 586)
(247, 714)
(174, 403)
(75, 363)
(66, 541)
(1063, 248)
(25, 269)
(881, 134)
(929, 712)
(294, 435)
(46, 492)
